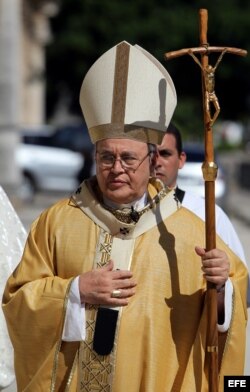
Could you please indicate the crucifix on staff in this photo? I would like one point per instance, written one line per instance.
(211, 110)
(209, 83)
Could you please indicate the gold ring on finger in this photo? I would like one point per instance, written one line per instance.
(116, 294)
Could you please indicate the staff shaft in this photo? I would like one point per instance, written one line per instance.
(212, 334)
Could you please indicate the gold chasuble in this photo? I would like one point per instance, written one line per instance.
(160, 336)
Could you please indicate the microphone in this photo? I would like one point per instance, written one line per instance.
(134, 215)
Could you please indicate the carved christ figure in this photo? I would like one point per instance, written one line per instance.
(209, 82)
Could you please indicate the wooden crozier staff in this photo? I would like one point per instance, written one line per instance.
(211, 110)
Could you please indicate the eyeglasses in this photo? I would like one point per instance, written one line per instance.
(127, 162)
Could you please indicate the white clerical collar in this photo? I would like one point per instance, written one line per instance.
(137, 204)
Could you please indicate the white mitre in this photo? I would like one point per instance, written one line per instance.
(127, 93)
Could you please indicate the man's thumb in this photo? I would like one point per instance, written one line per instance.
(200, 251)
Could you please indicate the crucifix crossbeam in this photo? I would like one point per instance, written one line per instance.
(208, 70)
(205, 49)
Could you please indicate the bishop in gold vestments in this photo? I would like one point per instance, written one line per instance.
(160, 336)
(131, 233)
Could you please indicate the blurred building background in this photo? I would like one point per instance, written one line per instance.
(24, 32)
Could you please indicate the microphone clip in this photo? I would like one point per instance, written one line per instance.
(134, 215)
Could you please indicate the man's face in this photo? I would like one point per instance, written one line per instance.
(122, 184)
(168, 161)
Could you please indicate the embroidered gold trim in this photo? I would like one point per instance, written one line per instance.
(67, 389)
(59, 343)
(120, 83)
(95, 371)
(129, 131)
(124, 215)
